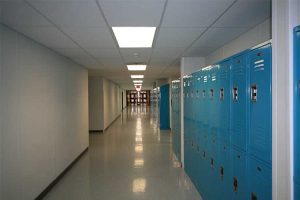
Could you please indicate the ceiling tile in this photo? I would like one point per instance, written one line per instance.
(177, 37)
(249, 12)
(199, 52)
(139, 55)
(104, 52)
(132, 12)
(17, 13)
(91, 37)
(71, 13)
(88, 63)
(193, 13)
(48, 36)
(217, 37)
(73, 53)
(169, 53)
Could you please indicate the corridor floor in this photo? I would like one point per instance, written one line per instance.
(131, 160)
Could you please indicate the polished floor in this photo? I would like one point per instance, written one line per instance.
(131, 160)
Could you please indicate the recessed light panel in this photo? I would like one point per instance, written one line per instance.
(137, 76)
(138, 81)
(134, 37)
(136, 67)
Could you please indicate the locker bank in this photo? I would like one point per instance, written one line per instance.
(143, 100)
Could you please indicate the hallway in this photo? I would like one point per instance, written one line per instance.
(131, 160)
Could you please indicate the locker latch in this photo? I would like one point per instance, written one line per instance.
(203, 94)
(253, 93)
(253, 196)
(211, 93)
(235, 94)
(222, 94)
(204, 154)
(235, 184)
(222, 172)
(212, 163)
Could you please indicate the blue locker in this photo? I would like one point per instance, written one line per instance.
(239, 102)
(260, 180)
(224, 180)
(297, 103)
(224, 102)
(164, 107)
(297, 190)
(239, 176)
(260, 127)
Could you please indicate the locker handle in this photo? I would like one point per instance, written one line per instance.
(222, 172)
(238, 156)
(235, 94)
(222, 94)
(203, 93)
(235, 184)
(211, 93)
(204, 154)
(212, 163)
(253, 93)
(253, 196)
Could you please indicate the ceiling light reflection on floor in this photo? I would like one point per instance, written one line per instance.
(138, 139)
(139, 163)
(139, 148)
(139, 185)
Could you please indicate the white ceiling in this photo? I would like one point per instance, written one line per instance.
(81, 30)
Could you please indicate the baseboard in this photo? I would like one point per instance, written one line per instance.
(95, 131)
(59, 177)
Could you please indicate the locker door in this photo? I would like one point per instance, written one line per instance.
(297, 103)
(260, 180)
(239, 176)
(224, 103)
(297, 190)
(239, 102)
(213, 98)
(224, 182)
(260, 132)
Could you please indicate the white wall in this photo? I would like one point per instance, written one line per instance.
(95, 103)
(189, 65)
(44, 115)
(124, 99)
(105, 102)
(111, 94)
(253, 37)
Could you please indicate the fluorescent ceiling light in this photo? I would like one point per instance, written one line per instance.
(137, 84)
(137, 76)
(137, 81)
(136, 67)
(134, 37)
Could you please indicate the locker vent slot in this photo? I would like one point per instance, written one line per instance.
(235, 94)
(253, 93)
(259, 65)
(222, 94)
